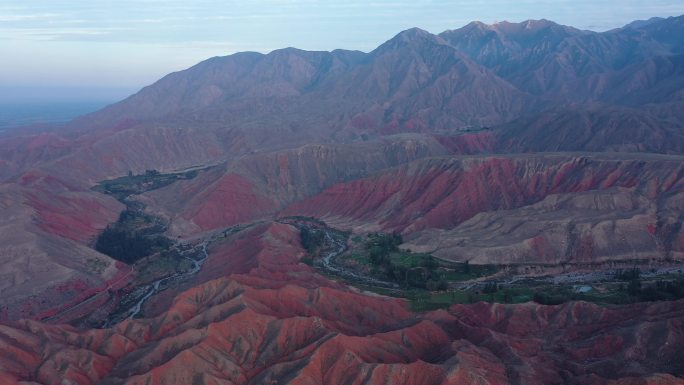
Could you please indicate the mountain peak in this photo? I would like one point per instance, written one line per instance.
(540, 23)
(509, 30)
(290, 51)
(410, 38)
(414, 33)
(526, 26)
(477, 24)
(636, 24)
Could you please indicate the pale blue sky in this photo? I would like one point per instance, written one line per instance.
(126, 44)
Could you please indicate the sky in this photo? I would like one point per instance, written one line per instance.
(111, 48)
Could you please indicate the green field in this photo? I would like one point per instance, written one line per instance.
(122, 187)
(429, 283)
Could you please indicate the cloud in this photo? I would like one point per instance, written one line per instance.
(52, 33)
(27, 17)
(131, 39)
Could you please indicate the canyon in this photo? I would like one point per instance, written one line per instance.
(513, 144)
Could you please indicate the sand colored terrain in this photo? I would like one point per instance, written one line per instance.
(514, 143)
(516, 209)
(282, 323)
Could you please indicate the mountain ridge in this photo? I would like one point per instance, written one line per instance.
(532, 146)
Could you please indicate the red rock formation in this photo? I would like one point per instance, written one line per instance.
(254, 315)
(258, 186)
(273, 326)
(464, 195)
(45, 231)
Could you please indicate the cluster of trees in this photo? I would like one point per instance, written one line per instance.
(137, 184)
(424, 275)
(133, 184)
(153, 179)
(554, 297)
(633, 279)
(128, 246)
(659, 291)
(381, 245)
(490, 288)
(632, 289)
(133, 236)
(150, 174)
(440, 284)
(628, 275)
(672, 289)
(311, 239)
(411, 277)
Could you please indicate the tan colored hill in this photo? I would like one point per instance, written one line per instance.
(517, 143)
(516, 209)
(282, 323)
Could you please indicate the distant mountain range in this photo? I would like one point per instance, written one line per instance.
(479, 76)
(30, 113)
(533, 146)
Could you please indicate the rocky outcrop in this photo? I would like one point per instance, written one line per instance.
(366, 141)
(282, 323)
(514, 209)
(45, 259)
(258, 186)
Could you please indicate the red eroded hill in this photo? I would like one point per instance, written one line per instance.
(456, 202)
(369, 142)
(258, 186)
(46, 228)
(273, 326)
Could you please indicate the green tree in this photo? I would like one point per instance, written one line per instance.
(634, 287)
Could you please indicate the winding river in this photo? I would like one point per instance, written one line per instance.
(339, 246)
(163, 283)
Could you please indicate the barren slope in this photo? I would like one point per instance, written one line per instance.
(367, 141)
(523, 208)
(257, 186)
(284, 324)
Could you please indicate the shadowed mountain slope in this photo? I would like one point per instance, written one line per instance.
(513, 143)
(256, 116)
(284, 324)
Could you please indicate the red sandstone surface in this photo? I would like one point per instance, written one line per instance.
(282, 323)
(367, 142)
(460, 198)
